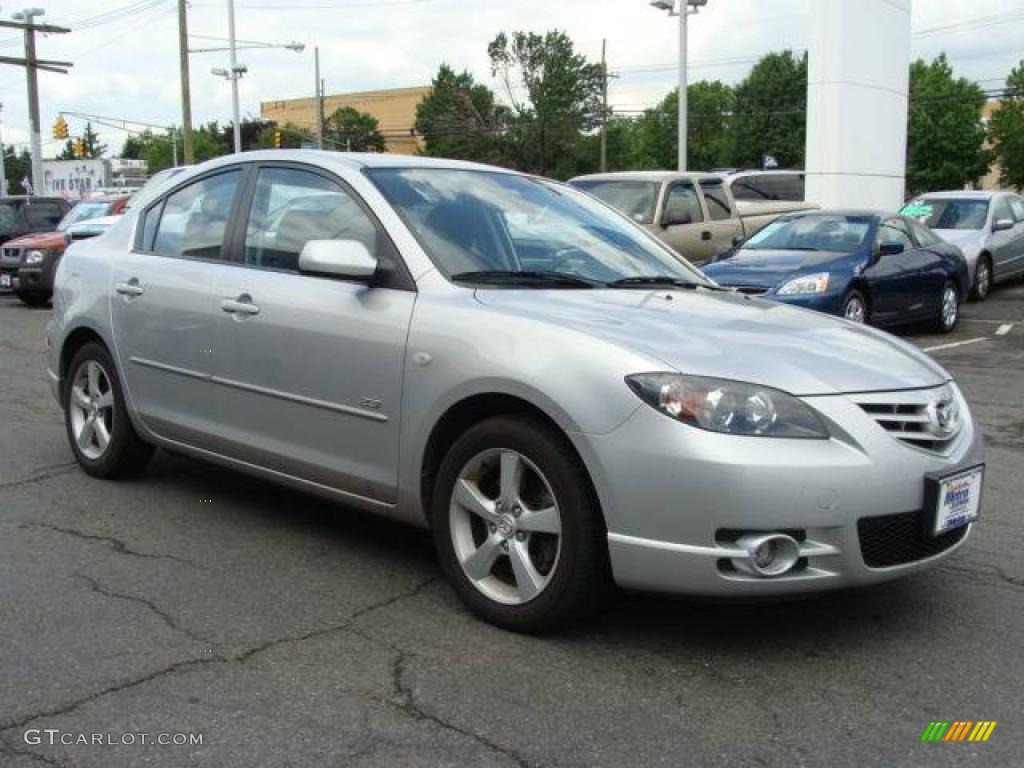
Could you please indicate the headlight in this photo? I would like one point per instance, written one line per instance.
(731, 407)
(35, 257)
(817, 283)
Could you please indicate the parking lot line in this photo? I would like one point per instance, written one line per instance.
(1004, 329)
(955, 344)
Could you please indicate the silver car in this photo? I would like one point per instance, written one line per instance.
(501, 358)
(987, 226)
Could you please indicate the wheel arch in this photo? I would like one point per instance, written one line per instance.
(74, 341)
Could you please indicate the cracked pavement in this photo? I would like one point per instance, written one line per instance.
(289, 631)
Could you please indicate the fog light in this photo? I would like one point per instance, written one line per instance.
(769, 554)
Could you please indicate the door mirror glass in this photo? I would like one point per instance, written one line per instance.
(891, 248)
(1001, 225)
(342, 258)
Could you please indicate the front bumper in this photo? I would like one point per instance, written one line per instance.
(676, 499)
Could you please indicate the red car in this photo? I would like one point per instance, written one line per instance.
(28, 263)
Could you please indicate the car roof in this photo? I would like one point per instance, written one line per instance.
(352, 160)
(33, 198)
(852, 213)
(969, 194)
(646, 176)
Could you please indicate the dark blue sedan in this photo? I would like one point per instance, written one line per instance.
(868, 267)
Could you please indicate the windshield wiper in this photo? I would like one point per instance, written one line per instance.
(660, 280)
(526, 277)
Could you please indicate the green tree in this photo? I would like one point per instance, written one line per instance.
(155, 148)
(1006, 130)
(94, 148)
(555, 95)
(460, 119)
(945, 133)
(770, 112)
(292, 136)
(710, 142)
(17, 165)
(355, 131)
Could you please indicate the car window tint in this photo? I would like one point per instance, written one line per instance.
(716, 199)
(1002, 210)
(43, 215)
(1017, 204)
(291, 207)
(894, 231)
(8, 218)
(195, 218)
(682, 198)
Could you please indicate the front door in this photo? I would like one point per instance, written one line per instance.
(897, 293)
(162, 306)
(683, 223)
(308, 370)
(1007, 245)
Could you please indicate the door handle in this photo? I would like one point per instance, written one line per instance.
(705, 235)
(241, 306)
(131, 288)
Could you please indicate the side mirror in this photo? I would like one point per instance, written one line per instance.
(738, 241)
(340, 258)
(1001, 225)
(891, 249)
(676, 218)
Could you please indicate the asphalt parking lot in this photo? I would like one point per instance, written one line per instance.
(290, 632)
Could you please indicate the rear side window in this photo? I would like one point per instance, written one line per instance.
(43, 215)
(682, 199)
(716, 199)
(194, 220)
(293, 206)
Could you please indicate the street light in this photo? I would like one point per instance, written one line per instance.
(3, 171)
(684, 10)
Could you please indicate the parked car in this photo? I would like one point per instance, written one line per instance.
(987, 226)
(504, 359)
(21, 215)
(692, 212)
(29, 263)
(868, 267)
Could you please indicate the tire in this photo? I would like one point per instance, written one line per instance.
(949, 309)
(855, 307)
(33, 299)
(982, 279)
(93, 392)
(530, 578)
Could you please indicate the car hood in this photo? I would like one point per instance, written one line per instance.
(730, 336)
(37, 240)
(961, 237)
(767, 268)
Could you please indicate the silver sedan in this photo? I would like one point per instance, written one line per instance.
(511, 363)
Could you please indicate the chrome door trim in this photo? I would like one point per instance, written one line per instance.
(300, 399)
(170, 368)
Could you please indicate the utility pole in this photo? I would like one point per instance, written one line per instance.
(186, 96)
(684, 12)
(319, 100)
(25, 20)
(604, 105)
(3, 171)
(235, 75)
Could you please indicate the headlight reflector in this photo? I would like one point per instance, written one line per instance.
(35, 257)
(729, 407)
(816, 283)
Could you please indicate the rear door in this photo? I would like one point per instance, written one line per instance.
(308, 369)
(692, 239)
(162, 305)
(723, 221)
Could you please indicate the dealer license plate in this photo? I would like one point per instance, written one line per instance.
(957, 499)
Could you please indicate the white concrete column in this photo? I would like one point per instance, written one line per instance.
(858, 84)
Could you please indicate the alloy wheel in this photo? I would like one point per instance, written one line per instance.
(855, 310)
(506, 526)
(983, 280)
(92, 409)
(950, 309)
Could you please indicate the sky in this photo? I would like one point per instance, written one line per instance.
(126, 51)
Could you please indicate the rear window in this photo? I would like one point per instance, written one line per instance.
(8, 218)
(769, 186)
(948, 213)
(636, 199)
(83, 212)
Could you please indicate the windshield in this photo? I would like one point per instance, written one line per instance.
(480, 222)
(83, 212)
(943, 213)
(636, 199)
(8, 218)
(842, 234)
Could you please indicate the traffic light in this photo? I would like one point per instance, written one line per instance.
(60, 128)
(79, 147)
(277, 139)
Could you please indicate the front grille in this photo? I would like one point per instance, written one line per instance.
(914, 416)
(11, 255)
(898, 539)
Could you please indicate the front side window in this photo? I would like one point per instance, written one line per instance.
(1017, 204)
(682, 202)
(716, 199)
(486, 222)
(813, 232)
(1002, 210)
(293, 206)
(924, 236)
(893, 232)
(194, 219)
(636, 199)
